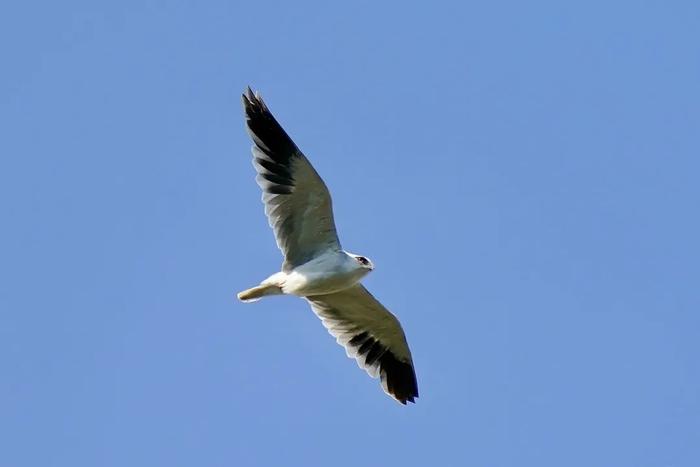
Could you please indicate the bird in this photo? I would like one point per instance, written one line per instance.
(315, 267)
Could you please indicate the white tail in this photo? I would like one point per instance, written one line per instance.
(256, 293)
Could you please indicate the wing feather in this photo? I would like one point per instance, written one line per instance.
(297, 202)
(372, 336)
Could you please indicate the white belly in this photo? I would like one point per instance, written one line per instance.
(326, 274)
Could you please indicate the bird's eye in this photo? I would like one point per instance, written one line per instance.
(362, 260)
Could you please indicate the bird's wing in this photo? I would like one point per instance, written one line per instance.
(297, 202)
(372, 336)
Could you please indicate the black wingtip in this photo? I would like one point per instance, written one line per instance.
(248, 93)
(253, 103)
(398, 378)
(276, 149)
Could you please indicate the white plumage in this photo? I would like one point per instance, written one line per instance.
(299, 209)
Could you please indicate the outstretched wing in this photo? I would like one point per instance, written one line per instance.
(297, 202)
(372, 336)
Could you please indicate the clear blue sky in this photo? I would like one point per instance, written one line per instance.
(524, 176)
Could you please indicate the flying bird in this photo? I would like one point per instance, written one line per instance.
(315, 267)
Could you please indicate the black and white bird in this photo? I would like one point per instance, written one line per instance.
(315, 267)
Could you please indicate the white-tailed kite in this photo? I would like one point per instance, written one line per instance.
(315, 267)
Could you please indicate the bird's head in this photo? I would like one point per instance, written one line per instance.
(364, 262)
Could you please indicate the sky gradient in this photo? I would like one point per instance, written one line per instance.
(524, 176)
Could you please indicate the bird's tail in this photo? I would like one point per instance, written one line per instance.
(256, 293)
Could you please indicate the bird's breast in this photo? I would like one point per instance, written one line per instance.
(324, 275)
